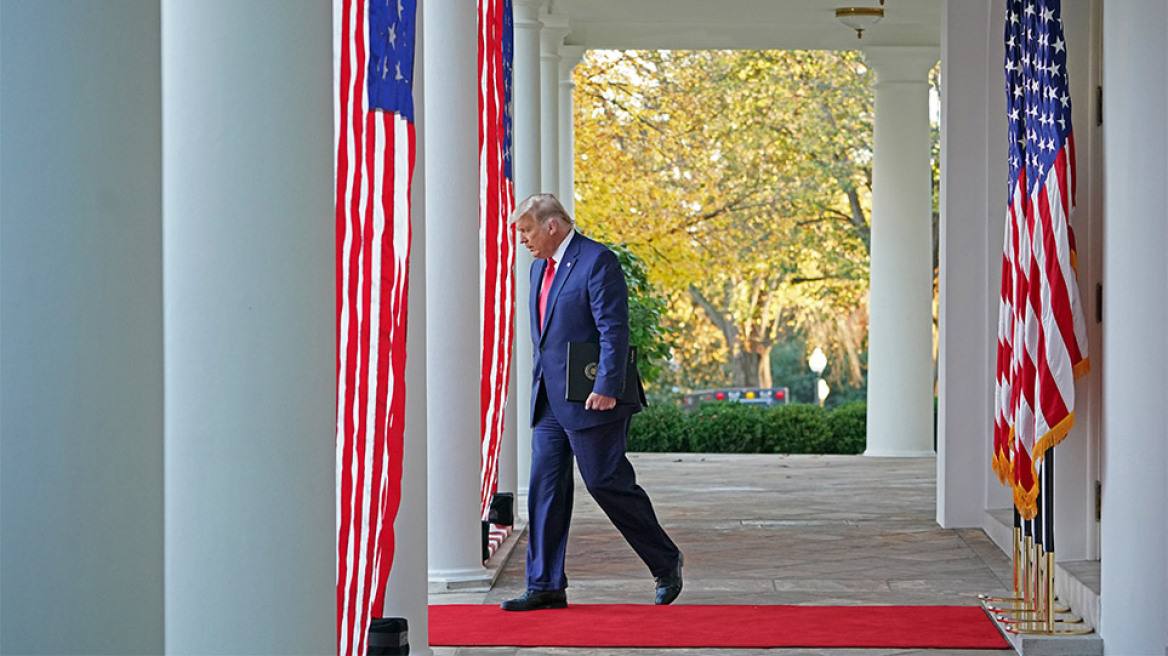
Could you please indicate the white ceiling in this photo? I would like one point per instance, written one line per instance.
(744, 24)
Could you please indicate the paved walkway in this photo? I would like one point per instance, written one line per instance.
(775, 529)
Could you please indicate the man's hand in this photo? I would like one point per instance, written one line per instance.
(599, 402)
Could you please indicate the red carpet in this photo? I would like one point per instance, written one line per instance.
(626, 625)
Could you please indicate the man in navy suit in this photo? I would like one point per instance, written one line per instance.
(578, 294)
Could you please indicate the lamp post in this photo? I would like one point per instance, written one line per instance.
(818, 362)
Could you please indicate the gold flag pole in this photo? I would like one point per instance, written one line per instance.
(1023, 599)
(1041, 619)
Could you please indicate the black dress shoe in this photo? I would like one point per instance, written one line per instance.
(537, 600)
(669, 586)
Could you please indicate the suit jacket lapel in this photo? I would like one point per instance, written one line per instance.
(533, 302)
(563, 270)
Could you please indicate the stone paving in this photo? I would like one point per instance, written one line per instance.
(774, 529)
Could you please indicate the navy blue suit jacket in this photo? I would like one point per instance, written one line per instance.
(588, 302)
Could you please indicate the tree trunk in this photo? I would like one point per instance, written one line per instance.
(746, 369)
(752, 368)
(859, 222)
(750, 359)
(764, 368)
(729, 333)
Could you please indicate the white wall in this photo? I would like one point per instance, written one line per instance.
(1076, 466)
(250, 326)
(1133, 568)
(80, 328)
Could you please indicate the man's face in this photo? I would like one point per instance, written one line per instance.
(541, 240)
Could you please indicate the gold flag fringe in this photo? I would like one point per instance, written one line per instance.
(1026, 500)
(1082, 368)
(1003, 463)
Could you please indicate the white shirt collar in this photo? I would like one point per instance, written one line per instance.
(558, 256)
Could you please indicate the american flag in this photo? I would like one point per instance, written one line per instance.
(496, 238)
(1042, 338)
(373, 61)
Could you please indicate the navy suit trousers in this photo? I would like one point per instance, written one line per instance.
(610, 479)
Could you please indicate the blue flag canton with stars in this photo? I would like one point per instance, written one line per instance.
(390, 74)
(1037, 87)
(508, 48)
(1015, 100)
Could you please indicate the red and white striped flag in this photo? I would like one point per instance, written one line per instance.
(496, 239)
(1042, 337)
(373, 65)
(1003, 416)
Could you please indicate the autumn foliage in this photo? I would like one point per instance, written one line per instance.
(741, 179)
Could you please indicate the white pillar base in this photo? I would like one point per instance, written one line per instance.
(461, 580)
(443, 582)
(893, 453)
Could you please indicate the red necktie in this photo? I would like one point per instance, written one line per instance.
(549, 274)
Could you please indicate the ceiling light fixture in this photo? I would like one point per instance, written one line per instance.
(859, 18)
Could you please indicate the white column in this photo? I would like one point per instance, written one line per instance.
(452, 326)
(508, 464)
(973, 206)
(406, 590)
(900, 353)
(407, 587)
(555, 28)
(527, 181)
(569, 57)
(250, 322)
(81, 368)
(1134, 596)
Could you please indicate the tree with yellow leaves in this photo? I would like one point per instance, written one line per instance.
(742, 180)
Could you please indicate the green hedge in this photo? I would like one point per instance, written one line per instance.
(659, 428)
(848, 425)
(737, 428)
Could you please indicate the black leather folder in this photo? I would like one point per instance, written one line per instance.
(583, 358)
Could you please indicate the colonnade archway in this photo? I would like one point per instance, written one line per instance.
(156, 301)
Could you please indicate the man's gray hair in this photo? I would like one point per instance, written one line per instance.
(542, 208)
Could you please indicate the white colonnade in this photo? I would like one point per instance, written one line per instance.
(570, 56)
(144, 225)
(450, 106)
(551, 38)
(527, 181)
(900, 353)
(250, 320)
(1134, 570)
(535, 160)
(81, 339)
